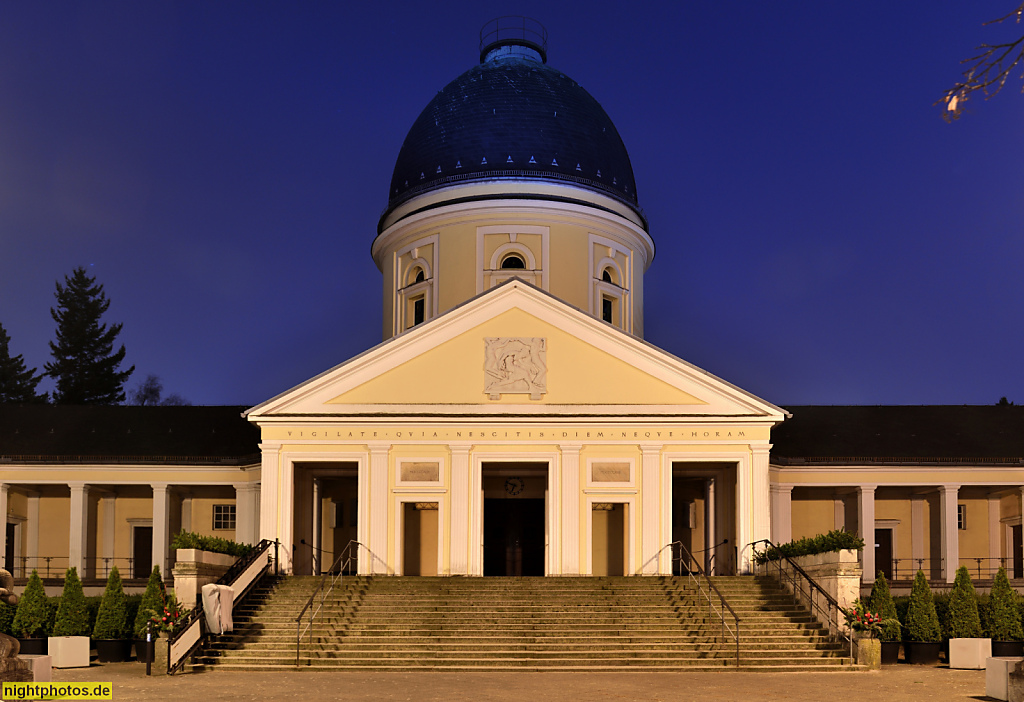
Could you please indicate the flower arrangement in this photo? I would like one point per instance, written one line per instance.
(859, 618)
(166, 618)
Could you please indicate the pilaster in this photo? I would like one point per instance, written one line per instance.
(650, 489)
(782, 513)
(377, 540)
(461, 507)
(950, 533)
(78, 541)
(570, 462)
(161, 512)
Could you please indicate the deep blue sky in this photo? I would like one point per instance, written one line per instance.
(824, 237)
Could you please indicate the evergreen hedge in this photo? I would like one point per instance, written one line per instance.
(963, 621)
(33, 613)
(152, 602)
(922, 621)
(881, 603)
(112, 617)
(72, 613)
(214, 544)
(1003, 615)
(831, 542)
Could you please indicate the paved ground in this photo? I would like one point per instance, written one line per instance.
(893, 684)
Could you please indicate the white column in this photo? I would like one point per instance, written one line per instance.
(32, 537)
(838, 512)
(650, 492)
(4, 490)
(378, 536)
(186, 511)
(570, 461)
(950, 533)
(161, 514)
(782, 513)
(460, 510)
(760, 499)
(744, 516)
(866, 528)
(917, 531)
(994, 551)
(109, 502)
(247, 505)
(318, 528)
(78, 540)
(269, 479)
(710, 538)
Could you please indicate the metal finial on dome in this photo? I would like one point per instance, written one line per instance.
(513, 35)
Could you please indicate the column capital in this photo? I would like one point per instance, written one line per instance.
(949, 488)
(781, 488)
(244, 487)
(377, 449)
(866, 488)
(159, 487)
(576, 447)
(79, 485)
(760, 449)
(649, 449)
(460, 449)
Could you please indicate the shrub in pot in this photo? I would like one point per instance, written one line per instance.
(881, 603)
(968, 648)
(1003, 618)
(152, 603)
(68, 646)
(32, 616)
(110, 634)
(923, 635)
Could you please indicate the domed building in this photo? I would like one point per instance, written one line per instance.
(514, 422)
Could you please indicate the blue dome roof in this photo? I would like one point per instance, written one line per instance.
(513, 116)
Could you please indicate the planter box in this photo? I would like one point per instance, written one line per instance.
(42, 667)
(195, 568)
(891, 652)
(113, 650)
(32, 647)
(921, 652)
(69, 651)
(867, 652)
(969, 654)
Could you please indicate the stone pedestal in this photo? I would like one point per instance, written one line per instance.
(838, 574)
(867, 651)
(998, 673)
(41, 666)
(195, 568)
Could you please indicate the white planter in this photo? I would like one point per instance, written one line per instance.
(969, 654)
(69, 651)
(206, 557)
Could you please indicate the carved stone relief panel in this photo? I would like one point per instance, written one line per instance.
(515, 365)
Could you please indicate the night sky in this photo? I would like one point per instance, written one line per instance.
(823, 236)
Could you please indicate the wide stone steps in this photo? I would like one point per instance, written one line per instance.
(590, 624)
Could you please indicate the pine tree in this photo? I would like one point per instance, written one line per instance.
(112, 617)
(963, 621)
(152, 602)
(72, 613)
(30, 618)
(922, 621)
(881, 603)
(17, 383)
(85, 365)
(1003, 615)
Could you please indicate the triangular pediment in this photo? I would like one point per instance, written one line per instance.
(511, 351)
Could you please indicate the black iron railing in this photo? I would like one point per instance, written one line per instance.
(823, 606)
(244, 573)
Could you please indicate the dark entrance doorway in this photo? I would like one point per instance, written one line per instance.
(9, 553)
(883, 552)
(142, 551)
(513, 536)
(1018, 551)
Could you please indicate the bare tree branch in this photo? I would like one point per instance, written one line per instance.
(987, 72)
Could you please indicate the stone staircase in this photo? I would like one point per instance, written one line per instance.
(564, 623)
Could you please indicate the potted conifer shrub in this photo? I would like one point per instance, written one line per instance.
(1003, 618)
(68, 646)
(31, 617)
(923, 635)
(152, 604)
(110, 634)
(968, 649)
(881, 603)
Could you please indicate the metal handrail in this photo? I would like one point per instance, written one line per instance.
(341, 565)
(712, 609)
(831, 613)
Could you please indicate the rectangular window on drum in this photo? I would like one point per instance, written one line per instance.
(418, 311)
(606, 310)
